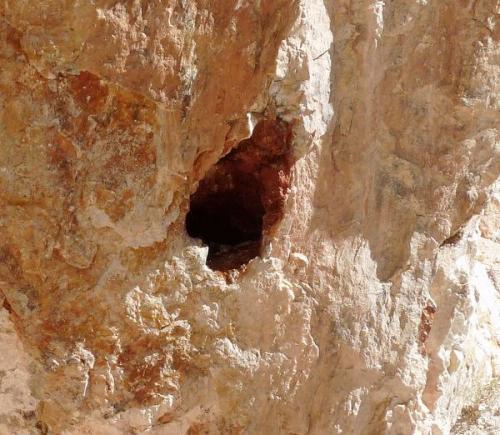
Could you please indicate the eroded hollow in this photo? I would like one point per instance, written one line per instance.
(241, 197)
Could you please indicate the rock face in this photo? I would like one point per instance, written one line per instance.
(351, 148)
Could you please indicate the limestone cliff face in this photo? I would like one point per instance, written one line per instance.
(232, 216)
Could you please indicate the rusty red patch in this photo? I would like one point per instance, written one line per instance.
(89, 91)
(424, 329)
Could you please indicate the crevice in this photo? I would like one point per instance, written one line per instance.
(241, 198)
(453, 239)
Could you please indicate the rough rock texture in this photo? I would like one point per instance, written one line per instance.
(374, 305)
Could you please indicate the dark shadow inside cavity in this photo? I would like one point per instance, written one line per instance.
(242, 197)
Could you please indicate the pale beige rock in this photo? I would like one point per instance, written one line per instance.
(374, 306)
(17, 411)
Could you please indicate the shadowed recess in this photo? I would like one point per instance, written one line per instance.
(241, 197)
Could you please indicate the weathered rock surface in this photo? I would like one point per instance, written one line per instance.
(374, 303)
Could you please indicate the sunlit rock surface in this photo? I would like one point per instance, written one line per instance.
(371, 301)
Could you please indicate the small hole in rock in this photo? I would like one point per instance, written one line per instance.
(241, 197)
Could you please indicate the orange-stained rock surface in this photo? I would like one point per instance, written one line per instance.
(356, 146)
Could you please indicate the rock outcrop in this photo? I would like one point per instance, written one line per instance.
(350, 148)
